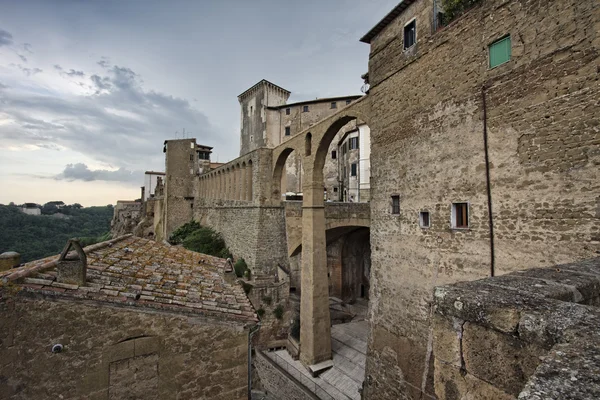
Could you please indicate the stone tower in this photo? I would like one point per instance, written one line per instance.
(253, 114)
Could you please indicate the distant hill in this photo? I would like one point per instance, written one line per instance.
(39, 236)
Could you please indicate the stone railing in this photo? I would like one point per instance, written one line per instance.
(533, 334)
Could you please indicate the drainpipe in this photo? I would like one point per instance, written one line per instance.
(488, 182)
(253, 330)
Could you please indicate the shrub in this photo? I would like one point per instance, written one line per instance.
(278, 312)
(260, 312)
(295, 328)
(247, 287)
(185, 230)
(207, 241)
(453, 8)
(240, 267)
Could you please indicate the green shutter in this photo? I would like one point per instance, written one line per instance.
(500, 52)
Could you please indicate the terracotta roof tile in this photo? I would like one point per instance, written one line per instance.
(143, 273)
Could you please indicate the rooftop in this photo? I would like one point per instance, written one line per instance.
(154, 173)
(137, 272)
(399, 9)
(321, 100)
(261, 82)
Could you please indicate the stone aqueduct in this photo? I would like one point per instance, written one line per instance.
(252, 181)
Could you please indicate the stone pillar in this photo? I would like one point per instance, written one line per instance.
(315, 322)
(72, 267)
(249, 182)
(9, 260)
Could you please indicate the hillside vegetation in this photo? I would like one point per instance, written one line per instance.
(36, 237)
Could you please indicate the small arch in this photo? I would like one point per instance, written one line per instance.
(308, 144)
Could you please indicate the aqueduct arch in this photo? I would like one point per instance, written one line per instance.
(315, 329)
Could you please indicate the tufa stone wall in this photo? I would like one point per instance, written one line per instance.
(116, 353)
(277, 383)
(427, 139)
(126, 216)
(531, 334)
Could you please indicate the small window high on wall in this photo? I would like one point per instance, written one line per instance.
(500, 52)
(410, 34)
(287, 131)
(395, 204)
(460, 215)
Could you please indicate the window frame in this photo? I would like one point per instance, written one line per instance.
(393, 209)
(334, 104)
(421, 219)
(288, 131)
(333, 154)
(348, 101)
(305, 109)
(287, 111)
(404, 47)
(353, 169)
(353, 143)
(496, 42)
(454, 215)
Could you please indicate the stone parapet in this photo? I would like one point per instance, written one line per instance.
(530, 334)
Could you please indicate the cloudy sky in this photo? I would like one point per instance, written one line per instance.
(89, 90)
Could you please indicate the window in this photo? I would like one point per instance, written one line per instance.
(396, 205)
(500, 52)
(424, 219)
(348, 101)
(333, 104)
(305, 109)
(410, 34)
(333, 154)
(334, 190)
(354, 143)
(353, 169)
(251, 109)
(460, 215)
(287, 131)
(287, 111)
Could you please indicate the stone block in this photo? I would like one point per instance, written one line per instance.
(446, 339)
(453, 384)
(498, 358)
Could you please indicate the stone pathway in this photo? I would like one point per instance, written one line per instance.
(342, 382)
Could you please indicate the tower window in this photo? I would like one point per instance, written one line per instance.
(333, 104)
(287, 131)
(348, 101)
(460, 215)
(424, 219)
(396, 205)
(410, 34)
(305, 109)
(287, 111)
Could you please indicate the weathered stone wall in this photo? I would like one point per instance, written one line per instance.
(181, 164)
(427, 147)
(276, 382)
(116, 353)
(498, 338)
(126, 215)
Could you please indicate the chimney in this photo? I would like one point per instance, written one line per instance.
(9, 260)
(72, 265)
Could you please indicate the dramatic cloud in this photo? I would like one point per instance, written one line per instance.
(81, 172)
(117, 122)
(5, 38)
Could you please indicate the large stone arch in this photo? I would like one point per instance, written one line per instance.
(279, 166)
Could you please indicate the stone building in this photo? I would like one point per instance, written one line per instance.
(484, 157)
(125, 319)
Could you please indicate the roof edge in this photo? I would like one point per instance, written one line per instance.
(385, 21)
(262, 81)
(320, 100)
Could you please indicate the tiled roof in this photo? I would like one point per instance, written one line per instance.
(139, 272)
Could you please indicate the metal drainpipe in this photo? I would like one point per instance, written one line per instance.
(488, 182)
(251, 332)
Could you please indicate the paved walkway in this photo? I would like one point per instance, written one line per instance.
(342, 382)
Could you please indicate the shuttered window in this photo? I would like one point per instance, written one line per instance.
(500, 52)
